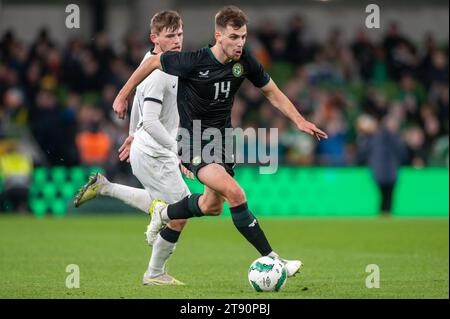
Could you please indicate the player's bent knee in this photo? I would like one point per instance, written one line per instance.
(214, 209)
(235, 196)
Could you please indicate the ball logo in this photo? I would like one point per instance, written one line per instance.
(266, 281)
(238, 69)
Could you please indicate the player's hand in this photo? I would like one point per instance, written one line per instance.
(124, 150)
(311, 129)
(186, 172)
(120, 106)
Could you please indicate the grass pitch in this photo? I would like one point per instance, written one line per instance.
(212, 258)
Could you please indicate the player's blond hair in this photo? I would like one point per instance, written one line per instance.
(230, 15)
(167, 19)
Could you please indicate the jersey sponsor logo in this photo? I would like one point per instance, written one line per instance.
(204, 74)
(238, 69)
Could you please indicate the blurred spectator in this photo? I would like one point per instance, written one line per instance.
(332, 150)
(412, 95)
(109, 93)
(94, 145)
(415, 141)
(321, 71)
(73, 74)
(258, 49)
(381, 148)
(364, 52)
(375, 103)
(437, 73)
(333, 45)
(297, 50)
(103, 53)
(44, 85)
(380, 72)
(268, 34)
(400, 52)
(16, 171)
(47, 127)
(69, 122)
(14, 115)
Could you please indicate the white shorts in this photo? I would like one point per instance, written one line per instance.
(160, 176)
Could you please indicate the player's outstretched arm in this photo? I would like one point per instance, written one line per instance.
(144, 70)
(281, 102)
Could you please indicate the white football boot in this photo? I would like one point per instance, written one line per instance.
(292, 266)
(157, 222)
(163, 279)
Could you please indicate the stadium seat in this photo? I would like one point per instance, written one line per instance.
(58, 207)
(77, 176)
(68, 191)
(40, 175)
(49, 191)
(58, 175)
(38, 207)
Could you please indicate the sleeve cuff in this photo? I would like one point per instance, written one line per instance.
(264, 82)
(151, 99)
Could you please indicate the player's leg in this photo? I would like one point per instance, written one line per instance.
(162, 179)
(166, 240)
(211, 202)
(163, 248)
(216, 178)
(99, 185)
(196, 205)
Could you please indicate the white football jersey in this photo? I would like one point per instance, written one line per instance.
(162, 88)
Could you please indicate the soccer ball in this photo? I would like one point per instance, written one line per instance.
(267, 274)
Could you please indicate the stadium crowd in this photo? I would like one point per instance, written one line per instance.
(55, 101)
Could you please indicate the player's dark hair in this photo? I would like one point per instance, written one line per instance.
(231, 15)
(167, 19)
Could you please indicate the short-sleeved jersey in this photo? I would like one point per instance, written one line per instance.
(207, 87)
(161, 88)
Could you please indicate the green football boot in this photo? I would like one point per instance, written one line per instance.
(90, 190)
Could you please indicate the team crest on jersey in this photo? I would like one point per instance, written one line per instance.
(238, 69)
(197, 160)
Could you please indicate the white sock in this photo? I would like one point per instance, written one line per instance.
(162, 249)
(164, 215)
(135, 197)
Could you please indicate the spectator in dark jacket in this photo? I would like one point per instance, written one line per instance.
(383, 151)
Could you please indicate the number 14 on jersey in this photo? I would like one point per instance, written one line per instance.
(222, 88)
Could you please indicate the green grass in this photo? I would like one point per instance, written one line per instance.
(212, 257)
